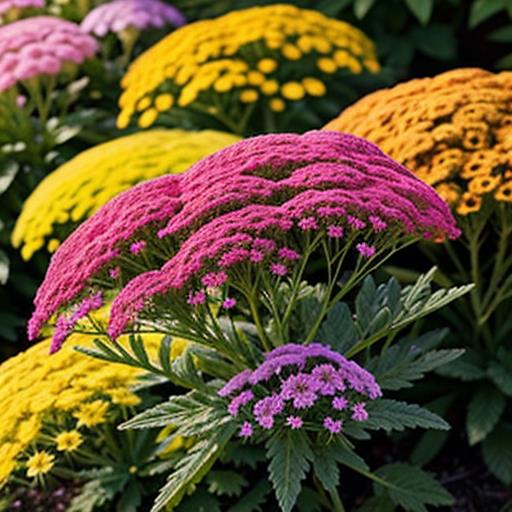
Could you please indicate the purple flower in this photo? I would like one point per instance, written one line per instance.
(229, 303)
(278, 269)
(377, 223)
(339, 403)
(114, 273)
(197, 298)
(214, 279)
(264, 244)
(294, 422)
(137, 247)
(365, 250)
(246, 430)
(335, 231)
(235, 383)
(359, 413)
(256, 256)
(288, 254)
(328, 378)
(355, 222)
(239, 401)
(333, 426)
(265, 410)
(273, 366)
(308, 223)
(300, 388)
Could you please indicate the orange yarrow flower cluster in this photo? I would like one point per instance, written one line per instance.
(453, 130)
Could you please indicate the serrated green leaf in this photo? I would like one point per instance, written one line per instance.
(501, 35)
(412, 488)
(241, 455)
(308, 501)
(289, 457)
(326, 469)
(422, 9)
(497, 452)
(200, 501)
(394, 415)
(484, 412)
(500, 371)
(484, 9)
(381, 503)
(468, 368)
(365, 303)
(253, 500)
(225, 482)
(193, 467)
(349, 458)
(337, 330)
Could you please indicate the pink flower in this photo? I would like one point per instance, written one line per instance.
(355, 222)
(278, 269)
(214, 279)
(114, 273)
(359, 412)
(246, 430)
(137, 247)
(229, 303)
(365, 250)
(333, 426)
(239, 401)
(197, 298)
(335, 231)
(300, 388)
(377, 223)
(339, 403)
(308, 224)
(294, 422)
(288, 254)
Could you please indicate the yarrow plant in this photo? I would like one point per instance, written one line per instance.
(82, 185)
(128, 18)
(453, 131)
(307, 387)
(59, 416)
(10, 10)
(249, 65)
(221, 256)
(258, 210)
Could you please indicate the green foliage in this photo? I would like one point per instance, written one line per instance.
(484, 411)
(497, 452)
(394, 415)
(289, 456)
(225, 482)
(500, 371)
(411, 488)
(254, 499)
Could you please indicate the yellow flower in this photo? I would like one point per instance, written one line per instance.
(122, 396)
(314, 87)
(40, 463)
(292, 91)
(214, 56)
(269, 87)
(163, 102)
(249, 96)
(68, 441)
(78, 188)
(452, 130)
(91, 414)
(277, 105)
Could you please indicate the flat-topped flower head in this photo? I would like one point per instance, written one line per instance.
(82, 185)
(453, 131)
(204, 228)
(327, 392)
(52, 406)
(249, 61)
(40, 46)
(122, 15)
(11, 8)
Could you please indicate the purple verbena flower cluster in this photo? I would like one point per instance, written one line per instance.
(300, 386)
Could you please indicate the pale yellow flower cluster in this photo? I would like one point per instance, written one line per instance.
(82, 185)
(59, 398)
(272, 55)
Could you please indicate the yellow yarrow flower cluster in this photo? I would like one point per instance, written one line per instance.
(50, 405)
(454, 131)
(82, 185)
(269, 56)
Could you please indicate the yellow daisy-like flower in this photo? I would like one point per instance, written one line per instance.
(92, 414)
(453, 130)
(69, 441)
(82, 185)
(122, 396)
(40, 463)
(247, 47)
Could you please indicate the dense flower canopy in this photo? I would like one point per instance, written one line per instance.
(253, 204)
(119, 15)
(262, 55)
(78, 188)
(454, 131)
(41, 45)
(59, 397)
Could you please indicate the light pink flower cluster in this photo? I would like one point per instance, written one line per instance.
(300, 386)
(251, 205)
(41, 45)
(7, 5)
(119, 15)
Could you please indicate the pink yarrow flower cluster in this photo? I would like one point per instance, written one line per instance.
(300, 386)
(41, 45)
(7, 5)
(120, 15)
(251, 207)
